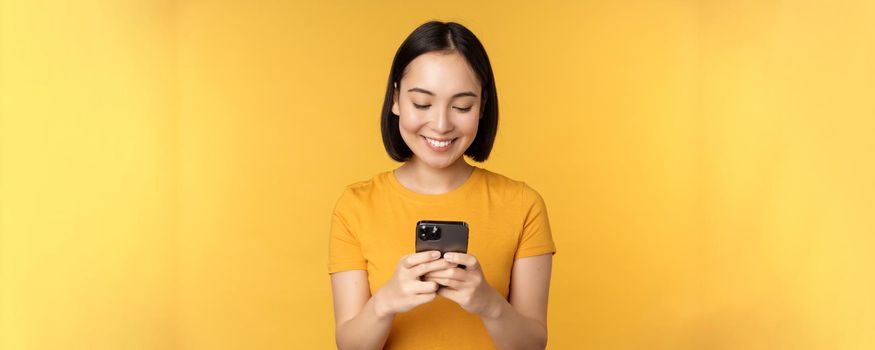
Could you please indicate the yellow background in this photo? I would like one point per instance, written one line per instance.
(167, 168)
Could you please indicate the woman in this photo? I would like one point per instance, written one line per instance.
(440, 104)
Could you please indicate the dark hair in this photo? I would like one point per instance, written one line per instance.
(441, 36)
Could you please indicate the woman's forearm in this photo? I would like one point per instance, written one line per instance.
(511, 330)
(367, 330)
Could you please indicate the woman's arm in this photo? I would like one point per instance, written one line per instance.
(358, 325)
(522, 322)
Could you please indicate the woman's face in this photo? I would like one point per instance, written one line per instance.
(438, 104)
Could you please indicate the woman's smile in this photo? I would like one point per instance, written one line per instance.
(439, 145)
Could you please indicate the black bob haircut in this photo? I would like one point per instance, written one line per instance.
(447, 37)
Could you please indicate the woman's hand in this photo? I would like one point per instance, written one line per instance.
(405, 290)
(467, 287)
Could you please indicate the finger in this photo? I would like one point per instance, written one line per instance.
(449, 293)
(446, 282)
(412, 260)
(463, 259)
(424, 268)
(424, 287)
(450, 273)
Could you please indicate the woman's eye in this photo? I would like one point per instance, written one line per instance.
(460, 109)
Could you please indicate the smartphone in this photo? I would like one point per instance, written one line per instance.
(443, 236)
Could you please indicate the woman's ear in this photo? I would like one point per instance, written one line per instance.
(395, 108)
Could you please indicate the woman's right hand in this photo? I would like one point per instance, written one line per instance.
(405, 290)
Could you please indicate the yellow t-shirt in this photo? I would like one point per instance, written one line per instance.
(373, 226)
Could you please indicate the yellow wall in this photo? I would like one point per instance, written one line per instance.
(88, 194)
(167, 168)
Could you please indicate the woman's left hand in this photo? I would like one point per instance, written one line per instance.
(467, 287)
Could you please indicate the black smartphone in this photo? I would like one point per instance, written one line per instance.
(443, 236)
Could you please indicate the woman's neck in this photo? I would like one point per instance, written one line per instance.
(421, 178)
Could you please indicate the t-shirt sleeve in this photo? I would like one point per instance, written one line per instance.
(344, 247)
(536, 237)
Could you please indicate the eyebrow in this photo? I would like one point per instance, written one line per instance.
(424, 91)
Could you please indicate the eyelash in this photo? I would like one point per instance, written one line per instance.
(463, 110)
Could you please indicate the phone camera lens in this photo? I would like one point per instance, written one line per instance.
(428, 232)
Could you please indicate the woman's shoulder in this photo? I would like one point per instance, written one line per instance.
(508, 186)
(360, 190)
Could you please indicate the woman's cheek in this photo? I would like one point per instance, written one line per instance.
(470, 126)
(406, 121)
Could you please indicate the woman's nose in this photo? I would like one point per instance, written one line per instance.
(442, 123)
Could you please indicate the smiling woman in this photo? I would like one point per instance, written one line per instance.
(446, 65)
(441, 118)
(441, 104)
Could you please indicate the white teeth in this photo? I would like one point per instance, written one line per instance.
(438, 143)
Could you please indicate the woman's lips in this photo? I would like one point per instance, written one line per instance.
(438, 146)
